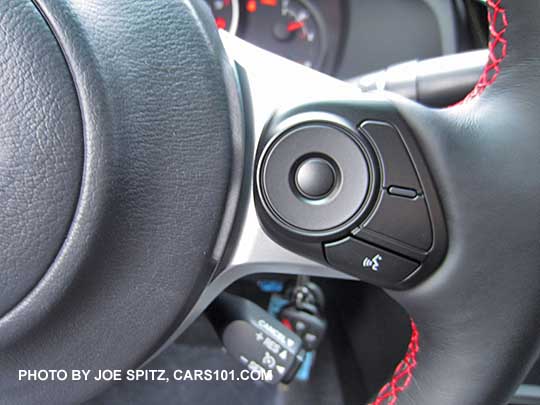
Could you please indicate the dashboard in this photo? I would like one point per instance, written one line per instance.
(295, 29)
(346, 38)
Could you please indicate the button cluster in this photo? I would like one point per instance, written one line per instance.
(402, 213)
(352, 193)
(399, 219)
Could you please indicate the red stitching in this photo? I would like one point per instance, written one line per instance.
(497, 48)
(498, 45)
(403, 374)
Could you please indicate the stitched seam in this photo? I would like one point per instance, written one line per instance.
(403, 373)
(498, 46)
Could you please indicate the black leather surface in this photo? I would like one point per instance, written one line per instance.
(156, 111)
(479, 314)
(41, 150)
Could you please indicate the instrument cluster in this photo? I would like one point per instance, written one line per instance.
(295, 29)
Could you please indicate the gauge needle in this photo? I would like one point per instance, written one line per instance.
(295, 26)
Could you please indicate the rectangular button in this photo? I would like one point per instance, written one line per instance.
(402, 192)
(369, 263)
(403, 219)
(398, 169)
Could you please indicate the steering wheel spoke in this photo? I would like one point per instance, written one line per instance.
(270, 83)
(314, 134)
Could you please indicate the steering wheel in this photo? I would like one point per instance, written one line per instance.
(148, 162)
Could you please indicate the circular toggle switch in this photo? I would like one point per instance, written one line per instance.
(315, 178)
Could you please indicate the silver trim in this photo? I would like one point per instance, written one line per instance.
(269, 83)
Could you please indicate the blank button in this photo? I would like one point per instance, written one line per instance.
(315, 178)
(402, 192)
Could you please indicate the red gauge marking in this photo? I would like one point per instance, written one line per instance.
(251, 6)
(221, 23)
(270, 3)
(295, 26)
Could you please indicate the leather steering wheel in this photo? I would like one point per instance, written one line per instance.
(134, 185)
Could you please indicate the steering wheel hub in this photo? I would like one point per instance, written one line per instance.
(41, 151)
(118, 127)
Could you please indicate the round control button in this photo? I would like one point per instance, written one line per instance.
(315, 178)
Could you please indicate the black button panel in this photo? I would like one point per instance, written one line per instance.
(402, 213)
(397, 167)
(368, 262)
(403, 219)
